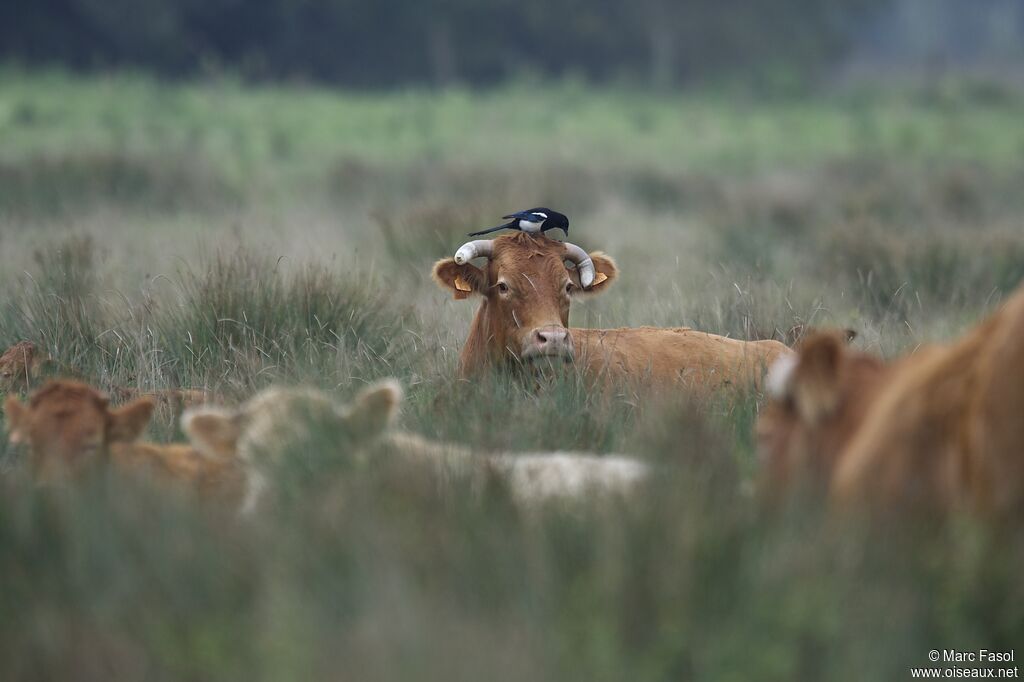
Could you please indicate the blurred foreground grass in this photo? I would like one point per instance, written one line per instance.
(211, 235)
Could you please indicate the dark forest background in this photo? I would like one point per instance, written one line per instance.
(386, 43)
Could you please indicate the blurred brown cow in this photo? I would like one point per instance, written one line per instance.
(20, 366)
(526, 290)
(940, 428)
(69, 428)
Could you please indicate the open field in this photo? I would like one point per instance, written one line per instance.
(229, 238)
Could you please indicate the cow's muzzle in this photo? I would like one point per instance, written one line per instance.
(553, 343)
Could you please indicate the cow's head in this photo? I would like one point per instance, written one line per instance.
(526, 287)
(21, 365)
(818, 398)
(291, 419)
(68, 425)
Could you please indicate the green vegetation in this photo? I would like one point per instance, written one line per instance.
(220, 237)
(296, 136)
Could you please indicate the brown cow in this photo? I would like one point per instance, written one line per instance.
(69, 428)
(526, 290)
(809, 417)
(942, 427)
(20, 366)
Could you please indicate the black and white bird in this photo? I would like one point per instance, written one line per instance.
(532, 221)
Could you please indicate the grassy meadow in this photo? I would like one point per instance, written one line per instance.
(228, 237)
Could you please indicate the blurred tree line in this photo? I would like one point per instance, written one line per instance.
(380, 43)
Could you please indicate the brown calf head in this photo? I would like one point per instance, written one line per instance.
(526, 288)
(819, 397)
(68, 425)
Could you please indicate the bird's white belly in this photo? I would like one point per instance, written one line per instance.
(527, 226)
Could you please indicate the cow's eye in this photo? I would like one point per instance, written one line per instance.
(569, 287)
(502, 288)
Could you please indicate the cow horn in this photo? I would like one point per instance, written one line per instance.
(474, 249)
(584, 265)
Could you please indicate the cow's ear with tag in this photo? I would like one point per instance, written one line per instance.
(605, 272)
(461, 280)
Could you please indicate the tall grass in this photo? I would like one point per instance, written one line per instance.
(384, 574)
(241, 307)
(209, 236)
(238, 322)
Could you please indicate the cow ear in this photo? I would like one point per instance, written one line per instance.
(605, 272)
(125, 424)
(815, 381)
(16, 415)
(375, 408)
(212, 431)
(461, 280)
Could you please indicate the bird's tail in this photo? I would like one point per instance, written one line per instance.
(506, 226)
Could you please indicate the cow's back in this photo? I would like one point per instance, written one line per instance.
(680, 356)
(909, 449)
(220, 479)
(948, 428)
(997, 409)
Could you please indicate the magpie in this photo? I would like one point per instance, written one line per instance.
(533, 221)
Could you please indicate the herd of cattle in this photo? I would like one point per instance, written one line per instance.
(939, 429)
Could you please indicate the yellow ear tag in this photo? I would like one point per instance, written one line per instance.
(462, 285)
(598, 278)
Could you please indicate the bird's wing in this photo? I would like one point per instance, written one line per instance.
(529, 216)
